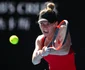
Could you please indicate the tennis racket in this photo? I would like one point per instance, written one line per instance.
(63, 22)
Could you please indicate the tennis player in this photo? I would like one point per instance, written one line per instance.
(58, 57)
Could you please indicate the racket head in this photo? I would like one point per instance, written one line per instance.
(63, 22)
(60, 43)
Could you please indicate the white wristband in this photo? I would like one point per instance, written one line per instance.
(39, 55)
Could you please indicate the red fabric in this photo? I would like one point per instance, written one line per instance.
(65, 62)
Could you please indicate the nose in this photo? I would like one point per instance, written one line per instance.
(44, 25)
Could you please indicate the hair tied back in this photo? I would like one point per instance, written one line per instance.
(50, 6)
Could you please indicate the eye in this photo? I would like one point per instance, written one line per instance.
(40, 22)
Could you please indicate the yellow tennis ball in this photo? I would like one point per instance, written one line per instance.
(14, 39)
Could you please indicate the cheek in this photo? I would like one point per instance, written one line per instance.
(41, 28)
(52, 29)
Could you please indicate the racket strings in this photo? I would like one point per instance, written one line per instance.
(56, 33)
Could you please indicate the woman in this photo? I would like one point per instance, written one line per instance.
(58, 59)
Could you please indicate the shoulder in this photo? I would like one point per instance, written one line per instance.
(39, 41)
(39, 38)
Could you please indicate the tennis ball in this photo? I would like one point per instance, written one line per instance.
(14, 39)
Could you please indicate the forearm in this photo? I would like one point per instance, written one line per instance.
(58, 52)
(62, 51)
(37, 57)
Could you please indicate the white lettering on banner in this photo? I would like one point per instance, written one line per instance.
(2, 24)
(11, 24)
(20, 24)
(12, 8)
(32, 8)
(3, 7)
(23, 23)
(21, 8)
(20, 11)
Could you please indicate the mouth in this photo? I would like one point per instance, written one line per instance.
(45, 32)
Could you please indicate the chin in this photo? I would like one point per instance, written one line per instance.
(45, 34)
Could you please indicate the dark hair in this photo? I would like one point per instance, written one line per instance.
(49, 13)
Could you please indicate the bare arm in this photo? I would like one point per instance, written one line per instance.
(39, 51)
(36, 57)
(64, 50)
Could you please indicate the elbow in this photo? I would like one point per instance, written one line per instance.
(63, 53)
(34, 63)
(66, 53)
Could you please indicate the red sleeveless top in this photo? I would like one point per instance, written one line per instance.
(61, 62)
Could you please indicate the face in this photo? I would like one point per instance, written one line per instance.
(47, 28)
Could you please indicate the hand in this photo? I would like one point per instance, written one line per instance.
(52, 50)
(45, 51)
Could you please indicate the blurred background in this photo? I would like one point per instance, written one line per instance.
(19, 17)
